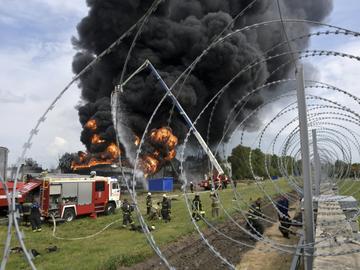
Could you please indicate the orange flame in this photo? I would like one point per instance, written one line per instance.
(82, 156)
(113, 150)
(137, 140)
(165, 142)
(164, 135)
(149, 165)
(91, 124)
(92, 162)
(96, 139)
(172, 141)
(171, 155)
(107, 157)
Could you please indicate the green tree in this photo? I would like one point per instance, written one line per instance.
(65, 162)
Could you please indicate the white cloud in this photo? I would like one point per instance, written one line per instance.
(33, 73)
(40, 10)
(8, 97)
(58, 145)
(40, 82)
(338, 71)
(77, 6)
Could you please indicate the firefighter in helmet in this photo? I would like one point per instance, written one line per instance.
(35, 216)
(253, 223)
(148, 203)
(215, 204)
(126, 210)
(283, 212)
(155, 212)
(166, 208)
(197, 207)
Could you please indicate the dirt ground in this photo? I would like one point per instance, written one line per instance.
(191, 253)
(271, 260)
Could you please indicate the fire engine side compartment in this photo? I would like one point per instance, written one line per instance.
(82, 195)
(85, 203)
(100, 195)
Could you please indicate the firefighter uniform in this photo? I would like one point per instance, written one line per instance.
(191, 187)
(197, 208)
(154, 212)
(166, 208)
(215, 204)
(26, 208)
(35, 217)
(254, 224)
(148, 203)
(283, 206)
(19, 210)
(127, 209)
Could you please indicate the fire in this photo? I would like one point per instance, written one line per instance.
(113, 150)
(91, 124)
(96, 139)
(137, 140)
(149, 165)
(159, 149)
(164, 142)
(87, 160)
(171, 155)
(164, 135)
(92, 162)
(82, 156)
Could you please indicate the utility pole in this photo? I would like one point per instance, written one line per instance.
(305, 158)
(317, 165)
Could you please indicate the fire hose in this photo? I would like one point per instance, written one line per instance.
(83, 237)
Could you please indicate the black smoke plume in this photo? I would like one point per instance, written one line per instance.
(172, 38)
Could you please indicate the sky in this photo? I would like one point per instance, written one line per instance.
(35, 64)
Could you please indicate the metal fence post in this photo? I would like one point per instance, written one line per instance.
(305, 158)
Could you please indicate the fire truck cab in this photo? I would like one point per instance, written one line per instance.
(220, 181)
(67, 196)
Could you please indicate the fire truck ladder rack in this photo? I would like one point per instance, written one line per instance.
(147, 64)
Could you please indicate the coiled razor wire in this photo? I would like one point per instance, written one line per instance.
(34, 132)
(114, 106)
(320, 53)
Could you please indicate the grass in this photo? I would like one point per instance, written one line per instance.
(117, 246)
(350, 187)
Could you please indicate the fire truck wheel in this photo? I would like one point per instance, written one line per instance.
(110, 209)
(69, 214)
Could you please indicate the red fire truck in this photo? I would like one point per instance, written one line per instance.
(220, 181)
(25, 192)
(67, 197)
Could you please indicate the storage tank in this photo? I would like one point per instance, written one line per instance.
(3, 162)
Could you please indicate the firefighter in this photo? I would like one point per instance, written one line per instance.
(283, 206)
(19, 210)
(26, 208)
(154, 212)
(191, 187)
(215, 204)
(235, 183)
(253, 223)
(35, 216)
(127, 209)
(148, 203)
(166, 208)
(197, 207)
